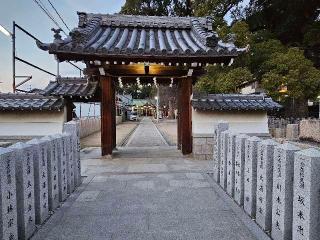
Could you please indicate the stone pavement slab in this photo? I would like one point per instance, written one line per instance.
(146, 135)
(145, 193)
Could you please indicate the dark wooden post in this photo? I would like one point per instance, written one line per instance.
(106, 115)
(69, 107)
(185, 114)
(179, 117)
(114, 114)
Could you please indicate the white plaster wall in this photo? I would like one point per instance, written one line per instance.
(31, 123)
(239, 121)
(247, 90)
(118, 119)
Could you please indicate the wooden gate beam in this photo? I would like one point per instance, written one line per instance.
(106, 115)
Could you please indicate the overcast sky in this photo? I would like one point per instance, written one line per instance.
(28, 15)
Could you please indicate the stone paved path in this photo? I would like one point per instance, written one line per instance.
(146, 135)
(146, 193)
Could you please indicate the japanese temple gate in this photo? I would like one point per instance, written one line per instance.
(155, 50)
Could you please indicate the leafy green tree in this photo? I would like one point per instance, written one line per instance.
(223, 80)
(157, 7)
(288, 19)
(294, 73)
(216, 8)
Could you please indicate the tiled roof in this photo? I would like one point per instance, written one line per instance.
(29, 102)
(239, 102)
(123, 35)
(71, 87)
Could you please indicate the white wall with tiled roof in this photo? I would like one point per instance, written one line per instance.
(240, 121)
(31, 123)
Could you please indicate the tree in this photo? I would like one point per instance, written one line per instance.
(223, 80)
(157, 7)
(288, 19)
(291, 71)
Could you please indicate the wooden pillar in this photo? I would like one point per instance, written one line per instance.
(114, 114)
(186, 120)
(69, 108)
(106, 115)
(179, 117)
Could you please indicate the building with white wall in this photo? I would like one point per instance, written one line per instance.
(244, 113)
(29, 115)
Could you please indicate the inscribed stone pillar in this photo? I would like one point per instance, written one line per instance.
(8, 203)
(73, 128)
(282, 194)
(220, 127)
(52, 164)
(223, 159)
(40, 149)
(306, 197)
(70, 162)
(250, 176)
(25, 189)
(264, 183)
(62, 166)
(239, 168)
(230, 163)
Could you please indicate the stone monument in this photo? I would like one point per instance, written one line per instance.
(282, 194)
(25, 189)
(239, 168)
(8, 200)
(264, 183)
(40, 159)
(306, 195)
(250, 175)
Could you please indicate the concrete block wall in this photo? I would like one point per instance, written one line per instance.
(89, 125)
(277, 185)
(25, 168)
(295, 129)
(310, 130)
(203, 145)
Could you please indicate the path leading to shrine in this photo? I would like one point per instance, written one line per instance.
(146, 135)
(147, 192)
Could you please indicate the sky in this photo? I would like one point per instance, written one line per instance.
(29, 16)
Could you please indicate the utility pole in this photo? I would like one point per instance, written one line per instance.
(13, 36)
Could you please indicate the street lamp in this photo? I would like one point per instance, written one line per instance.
(157, 99)
(5, 31)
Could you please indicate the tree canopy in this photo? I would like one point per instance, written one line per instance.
(283, 38)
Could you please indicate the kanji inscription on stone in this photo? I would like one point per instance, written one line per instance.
(8, 203)
(25, 189)
(70, 162)
(223, 158)
(239, 168)
(282, 194)
(40, 159)
(231, 163)
(62, 166)
(306, 195)
(220, 127)
(265, 156)
(52, 164)
(73, 128)
(250, 175)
